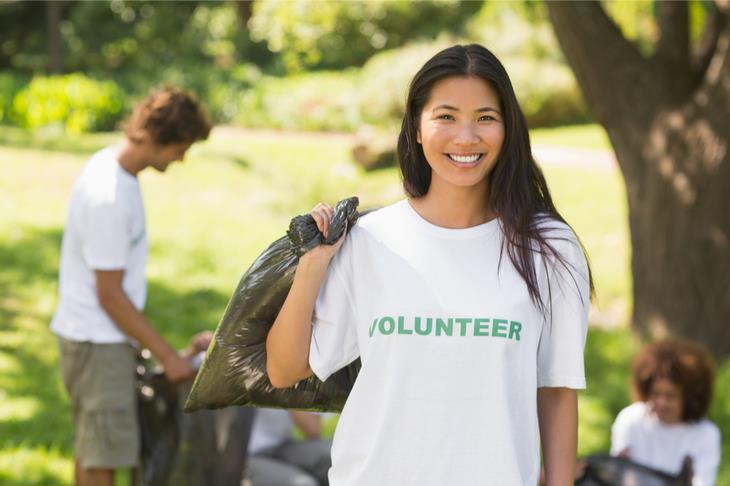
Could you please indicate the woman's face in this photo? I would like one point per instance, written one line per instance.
(665, 400)
(461, 131)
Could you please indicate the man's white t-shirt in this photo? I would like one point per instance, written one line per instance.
(664, 446)
(452, 348)
(105, 230)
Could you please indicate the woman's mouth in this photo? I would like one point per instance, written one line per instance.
(465, 160)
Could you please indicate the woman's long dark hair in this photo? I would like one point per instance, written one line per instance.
(518, 193)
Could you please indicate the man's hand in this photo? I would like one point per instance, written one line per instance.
(177, 369)
(201, 341)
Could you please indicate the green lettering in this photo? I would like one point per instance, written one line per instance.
(382, 325)
(499, 328)
(372, 328)
(463, 321)
(423, 331)
(402, 326)
(445, 327)
(481, 327)
(514, 330)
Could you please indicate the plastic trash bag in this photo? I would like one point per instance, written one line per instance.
(234, 369)
(205, 448)
(603, 470)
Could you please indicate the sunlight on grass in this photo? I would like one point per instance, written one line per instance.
(36, 466)
(21, 408)
(576, 136)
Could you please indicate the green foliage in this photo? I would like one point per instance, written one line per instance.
(10, 84)
(384, 79)
(637, 22)
(78, 103)
(308, 101)
(332, 34)
(376, 93)
(547, 92)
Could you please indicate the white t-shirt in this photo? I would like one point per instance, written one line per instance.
(452, 348)
(664, 446)
(105, 230)
(271, 428)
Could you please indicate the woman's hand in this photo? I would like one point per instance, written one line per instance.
(323, 214)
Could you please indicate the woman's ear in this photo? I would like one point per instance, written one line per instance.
(418, 136)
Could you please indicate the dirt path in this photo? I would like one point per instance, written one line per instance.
(545, 154)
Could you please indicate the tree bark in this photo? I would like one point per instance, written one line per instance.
(670, 128)
(54, 11)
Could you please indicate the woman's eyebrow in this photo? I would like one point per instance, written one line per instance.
(478, 110)
(487, 108)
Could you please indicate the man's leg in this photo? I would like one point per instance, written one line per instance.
(99, 379)
(94, 477)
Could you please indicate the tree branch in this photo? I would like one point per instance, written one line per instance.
(603, 59)
(705, 49)
(673, 46)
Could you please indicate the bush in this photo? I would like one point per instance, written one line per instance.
(10, 84)
(383, 83)
(312, 101)
(547, 92)
(79, 104)
(546, 89)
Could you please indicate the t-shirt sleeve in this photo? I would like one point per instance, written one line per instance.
(567, 295)
(706, 460)
(334, 334)
(105, 235)
(622, 431)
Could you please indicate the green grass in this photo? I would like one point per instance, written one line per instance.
(575, 136)
(208, 219)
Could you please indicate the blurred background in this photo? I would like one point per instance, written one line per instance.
(627, 103)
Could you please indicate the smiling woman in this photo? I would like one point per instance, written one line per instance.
(408, 289)
(461, 132)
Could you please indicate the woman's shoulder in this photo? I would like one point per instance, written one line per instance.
(380, 219)
(634, 413)
(552, 228)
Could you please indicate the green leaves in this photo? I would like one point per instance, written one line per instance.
(77, 103)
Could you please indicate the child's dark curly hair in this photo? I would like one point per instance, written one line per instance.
(169, 116)
(686, 364)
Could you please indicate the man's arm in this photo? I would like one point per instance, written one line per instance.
(557, 410)
(117, 305)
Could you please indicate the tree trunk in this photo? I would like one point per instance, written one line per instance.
(668, 119)
(54, 10)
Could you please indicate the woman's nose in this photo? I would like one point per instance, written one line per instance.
(467, 135)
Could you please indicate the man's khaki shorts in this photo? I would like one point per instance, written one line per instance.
(100, 381)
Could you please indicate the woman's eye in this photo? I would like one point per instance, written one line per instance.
(486, 118)
(445, 116)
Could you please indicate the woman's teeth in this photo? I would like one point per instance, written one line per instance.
(465, 159)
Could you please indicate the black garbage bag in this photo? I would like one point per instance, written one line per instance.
(234, 369)
(204, 448)
(604, 470)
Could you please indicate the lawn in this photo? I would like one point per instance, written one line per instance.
(207, 220)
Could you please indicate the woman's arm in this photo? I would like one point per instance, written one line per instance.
(557, 411)
(287, 345)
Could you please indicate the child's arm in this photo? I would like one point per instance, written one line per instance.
(309, 423)
(557, 410)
